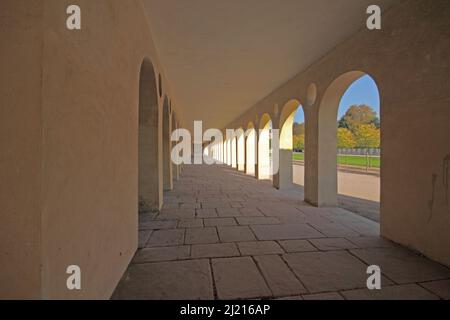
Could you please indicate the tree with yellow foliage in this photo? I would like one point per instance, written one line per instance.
(345, 139)
(367, 136)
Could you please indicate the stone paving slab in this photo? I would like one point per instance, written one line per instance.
(156, 225)
(398, 292)
(248, 283)
(297, 246)
(144, 235)
(285, 232)
(190, 223)
(235, 234)
(162, 254)
(250, 212)
(217, 250)
(403, 266)
(206, 213)
(259, 248)
(201, 235)
(279, 277)
(215, 222)
(333, 244)
(371, 242)
(292, 298)
(364, 229)
(323, 296)
(215, 204)
(228, 212)
(243, 221)
(178, 280)
(174, 214)
(440, 288)
(166, 237)
(328, 271)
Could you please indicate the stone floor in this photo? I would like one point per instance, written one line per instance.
(225, 235)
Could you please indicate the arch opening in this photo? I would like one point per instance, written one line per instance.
(167, 146)
(240, 149)
(287, 137)
(265, 148)
(149, 195)
(349, 144)
(175, 172)
(225, 152)
(250, 144)
(233, 153)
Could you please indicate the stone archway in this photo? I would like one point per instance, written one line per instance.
(240, 134)
(250, 146)
(285, 172)
(148, 185)
(327, 137)
(167, 131)
(234, 153)
(264, 147)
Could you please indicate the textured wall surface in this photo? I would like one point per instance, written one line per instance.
(20, 145)
(70, 131)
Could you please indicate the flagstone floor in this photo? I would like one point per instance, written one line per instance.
(225, 235)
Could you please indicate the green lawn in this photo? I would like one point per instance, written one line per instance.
(359, 161)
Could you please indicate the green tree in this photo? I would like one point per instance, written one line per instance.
(367, 136)
(358, 115)
(345, 138)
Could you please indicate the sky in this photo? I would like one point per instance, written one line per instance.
(362, 91)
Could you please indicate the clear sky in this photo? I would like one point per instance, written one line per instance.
(362, 91)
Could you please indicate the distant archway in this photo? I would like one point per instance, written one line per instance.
(175, 173)
(230, 152)
(225, 152)
(264, 148)
(241, 149)
(233, 152)
(287, 117)
(148, 176)
(167, 131)
(250, 149)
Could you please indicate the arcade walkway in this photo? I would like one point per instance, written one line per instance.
(225, 235)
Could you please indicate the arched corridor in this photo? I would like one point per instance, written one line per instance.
(117, 161)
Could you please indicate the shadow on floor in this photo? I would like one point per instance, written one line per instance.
(365, 208)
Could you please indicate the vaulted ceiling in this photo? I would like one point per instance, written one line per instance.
(223, 56)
